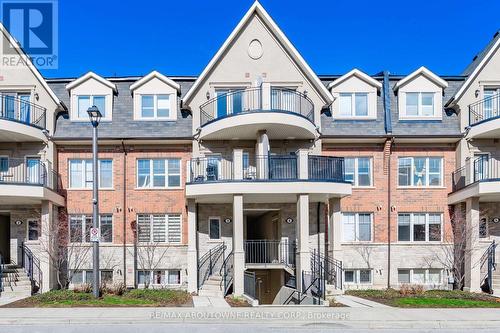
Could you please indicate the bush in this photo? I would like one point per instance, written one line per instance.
(411, 289)
(118, 289)
(83, 288)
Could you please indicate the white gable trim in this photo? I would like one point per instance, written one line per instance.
(159, 76)
(474, 74)
(257, 8)
(30, 65)
(90, 75)
(359, 74)
(425, 72)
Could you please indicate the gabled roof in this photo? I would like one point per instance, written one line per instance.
(88, 76)
(257, 9)
(159, 76)
(32, 68)
(360, 75)
(476, 66)
(425, 72)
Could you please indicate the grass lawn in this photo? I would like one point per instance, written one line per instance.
(429, 299)
(135, 297)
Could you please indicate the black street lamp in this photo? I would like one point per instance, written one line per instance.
(95, 116)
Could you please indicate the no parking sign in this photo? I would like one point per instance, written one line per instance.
(94, 234)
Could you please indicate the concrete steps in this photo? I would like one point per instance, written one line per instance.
(212, 287)
(16, 283)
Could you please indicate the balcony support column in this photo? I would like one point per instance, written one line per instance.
(266, 95)
(192, 252)
(238, 164)
(303, 261)
(239, 254)
(48, 245)
(472, 251)
(303, 163)
(334, 229)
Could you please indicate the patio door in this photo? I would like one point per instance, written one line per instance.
(9, 105)
(229, 101)
(480, 166)
(491, 103)
(24, 108)
(34, 170)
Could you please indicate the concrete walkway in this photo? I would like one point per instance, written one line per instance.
(209, 302)
(358, 302)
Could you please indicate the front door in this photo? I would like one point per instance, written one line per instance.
(5, 238)
(34, 170)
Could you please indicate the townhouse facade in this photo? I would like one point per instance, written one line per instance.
(258, 177)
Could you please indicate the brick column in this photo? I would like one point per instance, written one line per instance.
(472, 253)
(192, 252)
(303, 261)
(238, 252)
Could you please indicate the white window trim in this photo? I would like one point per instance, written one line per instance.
(357, 273)
(151, 173)
(166, 270)
(356, 171)
(356, 228)
(172, 109)
(151, 229)
(210, 218)
(412, 180)
(108, 105)
(28, 230)
(84, 236)
(426, 283)
(370, 113)
(436, 114)
(8, 164)
(426, 228)
(98, 175)
(84, 275)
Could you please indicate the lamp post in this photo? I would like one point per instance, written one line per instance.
(95, 116)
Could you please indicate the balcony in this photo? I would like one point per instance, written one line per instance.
(28, 181)
(479, 177)
(21, 120)
(484, 118)
(269, 254)
(240, 114)
(262, 178)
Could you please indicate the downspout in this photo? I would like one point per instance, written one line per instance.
(197, 250)
(388, 130)
(124, 210)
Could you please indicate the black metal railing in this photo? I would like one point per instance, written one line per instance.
(31, 265)
(326, 168)
(210, 263)
(332, 268)
(256, 100)
(26, 171)
(271, 167)
(20, 109)
(1, 272)
(485, 109)
(488, 259)
(270, 252)
(479, 169)
(249, 284)
(211, 169)
(227, 273)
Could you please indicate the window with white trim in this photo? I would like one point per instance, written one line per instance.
(424, 276)
(358, 276)
(420, 171)
(159, 173)
(358, 171)
(159, 228)
(33, 229)
(84, 102)
(79, 225)
(353, 105)
(420, 105)
(156, 106)
(357, 227)
(420, 227)
(4, 163)
(87, 276)
(159, 277)
(81, 174)
(214, 231)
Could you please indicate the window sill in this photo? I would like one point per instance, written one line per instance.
(108, 120)
(420, 243)
(215, 241)
(89, 189)
(155, 119)
(433, 118)
(356, 242)
(158, 188)
(354, 118)
(421, 188)
(363, 187)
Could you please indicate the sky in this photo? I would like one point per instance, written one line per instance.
(129, 38)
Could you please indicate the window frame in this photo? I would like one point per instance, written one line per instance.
(75, 116)
(6, 157)
(83, 221)
(166, 273)
(355, 183)
(427, 272)
(210, 219)
(419, 116)
(353, 112)
(172, 116)
(356, 227)
(152, 174)
(427, 172)
(412, 220)
(167, 234)
(83, 162)
(84, 275)
(357, 276)
(39, 229)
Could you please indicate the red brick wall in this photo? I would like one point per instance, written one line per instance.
(403, 200)
(137, 200)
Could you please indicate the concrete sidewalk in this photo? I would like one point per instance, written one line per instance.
(392, 318)
(358, 302)
(211, 302)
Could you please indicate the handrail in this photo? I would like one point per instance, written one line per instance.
(227, 273)
(481, 168)
(249, 284)
(1, 273)
(255, 99)
(20, 171)
(485, 109)
(208, 263)
(329, 168)
(31, 265)
(22, 110)
(270, 252)
(488, 258)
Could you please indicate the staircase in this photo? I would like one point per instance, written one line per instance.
(16, 283)
(212, 287)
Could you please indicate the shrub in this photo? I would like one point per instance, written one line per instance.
(411, 289)
(118, 288)
(83, 288)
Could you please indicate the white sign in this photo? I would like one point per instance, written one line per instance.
(94, 234)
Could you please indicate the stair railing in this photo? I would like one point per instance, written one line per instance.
(488, 258)
(1, 273)
(332, 268)
(227, 273)
(209, 262)
(31, 265)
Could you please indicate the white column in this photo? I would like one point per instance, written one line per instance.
(262, 151)
(303, 163)
(238, 164)
(238, 252)
(266, 95)
(335, 229)
(47, 239)
(472, 252)
(192, 253)
(303, 261)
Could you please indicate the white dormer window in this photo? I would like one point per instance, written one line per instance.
(156, 107)
(353, 105)
(86, 101)
(420, 104)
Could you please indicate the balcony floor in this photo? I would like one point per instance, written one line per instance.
(25, 194)
(486, 190)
